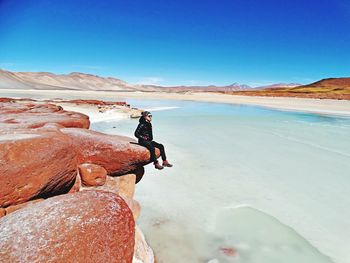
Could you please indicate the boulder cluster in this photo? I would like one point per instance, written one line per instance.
(66, 192)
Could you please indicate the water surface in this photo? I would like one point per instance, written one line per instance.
(249, 184)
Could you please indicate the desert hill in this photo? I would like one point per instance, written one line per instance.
(50, 81)
(82, 81)
(332, 88)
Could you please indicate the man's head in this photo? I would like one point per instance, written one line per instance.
(147, 115)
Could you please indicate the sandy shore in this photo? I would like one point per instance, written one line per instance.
(93, 112)
(324, 106)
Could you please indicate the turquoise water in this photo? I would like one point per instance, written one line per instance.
(249, 184)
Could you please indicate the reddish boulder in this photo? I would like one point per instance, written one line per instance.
(117, 154)
(35, 164)
(88, 226)
(134, 206)
(2, 212)
(123, 185)
(97, 102)
(7, 100)
(229, 251)
(14, 208)
(92, 174)
(20, 115)
(77, 185)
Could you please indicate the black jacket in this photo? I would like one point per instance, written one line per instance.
(144, 130)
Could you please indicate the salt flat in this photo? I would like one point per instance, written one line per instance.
(321, 106)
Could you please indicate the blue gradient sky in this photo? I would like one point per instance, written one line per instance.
(179, 42)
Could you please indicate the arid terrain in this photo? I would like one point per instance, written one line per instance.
(332, 88)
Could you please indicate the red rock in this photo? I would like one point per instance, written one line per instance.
(123, 185)
(97, 102)
(88, 226)
(6, 100)
(2, 212)
(229, 251)
(92, 174)
(126, 185)
(134, 206)
(117, 154)
(14, 208)
(35, 163)
(19, 115)
(77, 185)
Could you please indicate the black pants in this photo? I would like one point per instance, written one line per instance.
(151, 145)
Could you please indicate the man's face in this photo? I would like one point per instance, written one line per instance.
(149, 118)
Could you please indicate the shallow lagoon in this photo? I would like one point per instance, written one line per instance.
(249, 184)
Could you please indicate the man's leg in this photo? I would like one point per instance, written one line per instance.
(161, 148)
(162, 153)
(149, 145)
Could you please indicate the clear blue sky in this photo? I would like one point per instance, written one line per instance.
(179, 42)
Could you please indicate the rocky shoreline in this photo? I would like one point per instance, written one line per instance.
(66, 192)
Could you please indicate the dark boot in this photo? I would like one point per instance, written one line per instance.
(167, 164)
(158, 166)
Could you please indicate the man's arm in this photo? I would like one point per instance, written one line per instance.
(138, 131)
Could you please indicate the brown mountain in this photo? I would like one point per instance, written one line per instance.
(82, 81)
(337, 83)
(333, 88)
(50, 81)
(279, 85)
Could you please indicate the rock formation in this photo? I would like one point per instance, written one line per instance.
(66, 192)
(89, 226)
(117, 154)
(35, 163)
(92, 174)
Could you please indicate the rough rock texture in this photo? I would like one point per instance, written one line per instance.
(77, 185)
(14, 208)
(97, 102)
(92, 174)
(126, 185)
(134, 206)
(117, 154)
(38, 160)
(89, 226)
(2, 212)
(123, 186)
(142, 253)
(35, 164)
(30, 115)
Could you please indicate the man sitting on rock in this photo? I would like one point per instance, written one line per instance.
(144, 134)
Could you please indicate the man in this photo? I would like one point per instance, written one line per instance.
(144, 134)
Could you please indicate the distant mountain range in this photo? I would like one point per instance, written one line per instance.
(332, 88)
(50, 81)
(279, 85)
(338, 88)
(82, 81)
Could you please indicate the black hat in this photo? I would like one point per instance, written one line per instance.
(146, 113)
